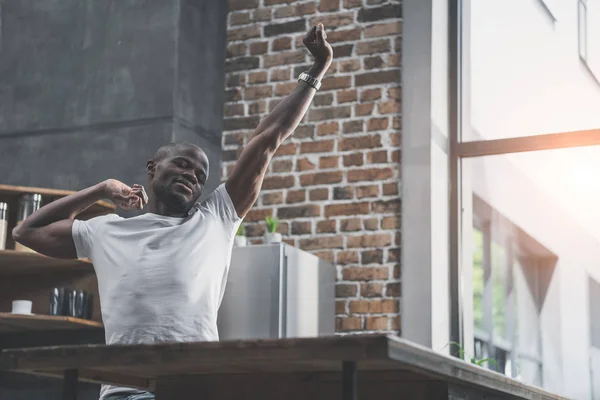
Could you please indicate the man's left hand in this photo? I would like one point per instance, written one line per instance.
(316, 42)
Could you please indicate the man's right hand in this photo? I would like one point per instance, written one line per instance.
(125, 197)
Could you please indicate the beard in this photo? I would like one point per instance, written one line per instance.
(175, 201)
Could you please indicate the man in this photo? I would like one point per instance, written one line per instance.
(161, 275)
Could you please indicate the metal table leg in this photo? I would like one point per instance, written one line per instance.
(70, 383)
(349, 391)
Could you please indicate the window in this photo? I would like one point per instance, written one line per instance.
(507, 296)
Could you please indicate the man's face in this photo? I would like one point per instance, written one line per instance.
(179, 178)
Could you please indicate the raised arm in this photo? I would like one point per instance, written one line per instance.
(48, 230)
(247, 177)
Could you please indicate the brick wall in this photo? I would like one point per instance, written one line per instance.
(335, 184)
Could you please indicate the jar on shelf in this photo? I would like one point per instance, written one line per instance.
(3, 225)
(28, 204)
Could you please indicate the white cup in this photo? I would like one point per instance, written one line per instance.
(21, 307)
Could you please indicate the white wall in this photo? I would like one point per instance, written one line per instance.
(527, 79)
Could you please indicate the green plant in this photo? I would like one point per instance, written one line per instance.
(241, 231)
(463, 356)
(272, 223)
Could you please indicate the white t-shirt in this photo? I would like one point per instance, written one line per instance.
(160, 279)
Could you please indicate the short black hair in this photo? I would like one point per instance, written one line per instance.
(168, 149)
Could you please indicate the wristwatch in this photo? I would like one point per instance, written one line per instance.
(312, 81)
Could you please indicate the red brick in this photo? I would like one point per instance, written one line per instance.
(353, 126)
(359, 142)
(257, 77)
(374, 257)
(324, 99)
(236, 49)
(327, 226)
(272, 198)
(301, 228)
(281, 74)
(370, 95)
(370, 240)
(282, 166)
(346, 290)
(354, 159)
(346, 96)
(359, 306)
(343, 193)
(352, 3)
(389, 206)
(371, 224)
(373, 47)
(306, 8)
(384, 306)
(350, 225)
(329, 5)
(328, 128)
(371, 289)
(231, 110)
(325, 255)
(377, 124)
(261, 14)
(376, 78)
(348, 324)
(344, 35)
(319, 194)
(284, 58)
(286, 149)
(295, 196)
(361, 110)
(364, 273)
(390, 189)
(389, 107)
(333, 210)
(278, 182)
(258, 107)
(385, 29)
(303, 164)
(336, 82)
(349, 65)
(367, 191)
(234, 5)
(321, 178)
(245, 33)
(321, 146)
(239, 18)
(393, 289)
(376, 323)
(257, 92)
(377, 157)
(256, 214)
(259, 48)
(334, 20)
(310, 210)
(329, 162)
(282, 43)
(283, 89)
(347, 257)
(340, 307)
(322, 242)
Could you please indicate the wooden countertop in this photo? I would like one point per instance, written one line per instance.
(140, 365)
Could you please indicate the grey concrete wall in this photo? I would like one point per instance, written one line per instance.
(89, 89)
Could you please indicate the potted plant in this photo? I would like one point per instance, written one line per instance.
(240, 237)
(271, 236)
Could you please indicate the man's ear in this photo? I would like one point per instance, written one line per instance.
(150, 167)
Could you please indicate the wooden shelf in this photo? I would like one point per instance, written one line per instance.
(14, 262)
(16, 323)
(101, 207)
